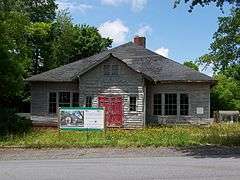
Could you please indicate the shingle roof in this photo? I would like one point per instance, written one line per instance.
(142, 60)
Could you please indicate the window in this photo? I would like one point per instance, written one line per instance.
(64, 99)
(75, 99)
(170, 104)
(52, 102)
(157, 104)
(115, 69)
(88, 101)
(133, 103)
(106, 69)
(184, 104)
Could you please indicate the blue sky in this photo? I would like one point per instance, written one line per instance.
(174, 33)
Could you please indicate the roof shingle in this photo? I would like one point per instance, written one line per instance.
(155, 66)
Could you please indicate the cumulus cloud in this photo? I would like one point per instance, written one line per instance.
(136, 5)
(162, 51)
(115, 30)
(144, 30)
(73, 6)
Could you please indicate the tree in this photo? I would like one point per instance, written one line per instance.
(73, 42)
(13, 51)
(225, 48)
(40, 10)
(226, 94)
(218, 3)
(192, 65)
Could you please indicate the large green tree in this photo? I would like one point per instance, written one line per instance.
(13, 50)
(218, 3)
(225, 48)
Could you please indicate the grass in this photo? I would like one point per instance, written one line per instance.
(174, 136)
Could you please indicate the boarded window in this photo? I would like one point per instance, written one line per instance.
(184, 104)
(106, 69)
(133, 103)
(170, 104)
(115, 69)
(88, 101)
(157, 104)
(52, 102)
(75, 99)
(64, 99)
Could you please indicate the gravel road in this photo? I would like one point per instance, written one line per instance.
(41, 154)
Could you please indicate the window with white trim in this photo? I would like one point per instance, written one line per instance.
(157, 104)
(64, 99)
(52, 102)
(170, 104)
(133, 103)
(184, 104)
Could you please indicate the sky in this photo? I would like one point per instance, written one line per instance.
(171, 32)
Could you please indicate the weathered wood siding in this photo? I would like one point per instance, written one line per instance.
(94, 83)
(199, 96)
(40, 95)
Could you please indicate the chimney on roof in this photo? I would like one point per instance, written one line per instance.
(140, 41)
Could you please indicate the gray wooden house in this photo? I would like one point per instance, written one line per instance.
(135, 85)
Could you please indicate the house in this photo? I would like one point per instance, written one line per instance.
(135, 85)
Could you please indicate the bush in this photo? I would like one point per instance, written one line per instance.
(12, 124)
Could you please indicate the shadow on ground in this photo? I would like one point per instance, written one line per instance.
(211, 151)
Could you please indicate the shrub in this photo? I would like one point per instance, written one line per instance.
(11, 124)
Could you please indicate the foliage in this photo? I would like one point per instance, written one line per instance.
(226, 94)
(72, 42)
(11, 124)
(225, 48)
(218, 3)
(40, 10)
(13, 51)
(191, 64)
(178, 136)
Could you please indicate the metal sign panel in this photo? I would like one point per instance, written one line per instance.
(81, 118)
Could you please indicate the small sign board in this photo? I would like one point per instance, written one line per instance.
(200, 110)
(81, 118)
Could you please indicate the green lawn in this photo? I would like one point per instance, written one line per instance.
(177, 136)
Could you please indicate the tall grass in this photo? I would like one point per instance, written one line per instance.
(177, 136)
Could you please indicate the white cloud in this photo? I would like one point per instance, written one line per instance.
(144, 30)
(115, 30)
(73, 6)
(162, 51)
(136, 5)
(113, 2)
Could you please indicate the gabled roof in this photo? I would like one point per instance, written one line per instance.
(140, 59)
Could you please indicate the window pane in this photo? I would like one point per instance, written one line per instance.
(157, 104)
(88, 101)
(170, 104)
(115, 69)
(133, 103)
(75, 100)
(184, 104)
(64, 99)
(106, 69)
(52, 102)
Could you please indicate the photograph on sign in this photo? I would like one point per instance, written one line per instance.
(81, 118)
(72, 118)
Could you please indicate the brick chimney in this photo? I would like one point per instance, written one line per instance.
(140, 41)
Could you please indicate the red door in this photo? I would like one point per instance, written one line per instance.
(113, 110)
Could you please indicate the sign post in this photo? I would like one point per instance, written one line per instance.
(81, 118)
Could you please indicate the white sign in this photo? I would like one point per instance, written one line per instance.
(81, 118)
(200, 110)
